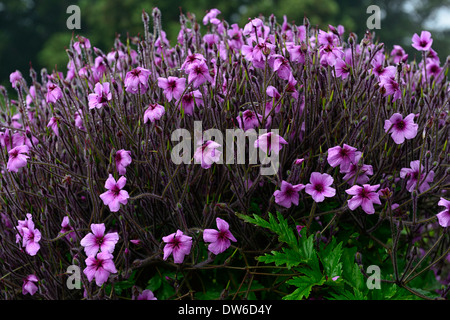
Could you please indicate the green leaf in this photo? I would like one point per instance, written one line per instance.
(304, 285)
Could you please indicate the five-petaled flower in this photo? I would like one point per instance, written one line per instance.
(29, 286)
(422, 42)
(219, 239)
(364, 196)
(319, 186)
(115, 195)
(101, 96)
(98, 240)
(177, 244)
(154, 112)
(99, 267)
(288, 194)
(136, 80)
(207, 154)
(412, 175)
(401, 129)
(17, 158)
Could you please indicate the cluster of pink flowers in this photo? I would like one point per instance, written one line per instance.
(99, 247)
(355, 128)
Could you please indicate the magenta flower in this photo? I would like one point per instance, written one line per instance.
(422, 43)
(444, 216)
(342, 156)
(66, 227)
(281, 66)
(364, 196)
(78, 118)
(412, 174)
(101, 96)
(98, 240)
(288, 194)
(123, 159)
(177, 244)
(319, 186)
(136, 80)
(342, 69)
(363, 172)
(53, 124)
(173, 87)
(390, 87)
(115, 195)
(189, 100)
(249, 120)
(146, 295)
(99, 267)
(398, 54)
(29, 235)
(198, 73)
(219, 240)
(15, 78)
(270, 142)
(29, 286)
(154, 112)
(17, 158)
(54, 93)
(207, 154)
(400, 128)
(82, 43)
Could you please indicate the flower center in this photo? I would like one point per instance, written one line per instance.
(319, 187)
(400, 125)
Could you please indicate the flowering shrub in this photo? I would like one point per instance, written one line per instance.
(87, 177)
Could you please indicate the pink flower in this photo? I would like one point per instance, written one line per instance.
(53, 124)
(191, 60)
(342, 69)
(444, 216)
(81, 43)
(99, 267)
(213, 13)
(220, 240)
(342, 156)
(78, 119)
(422, 43)
(123, 159)
(189, 100)
(29, 235)
(98, 240)
(136, 80)
(281, 66)
(115, 195)
(177, 244)
(17, 158)
(207, 154)
(173, 87)
(15, 78)
(198, 73)
(288, 194)
(364, 196)
(154, 112)
(249, 120)
(398, 54)
(28, 286)
(400, 128)
(270, 142)
(363, 171)
(390, 87)
(54, 93)
(146, 295)
(319, 186)
(101, 96)
(66, 227)
(412, 174)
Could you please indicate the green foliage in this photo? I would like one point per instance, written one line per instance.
(322, 270)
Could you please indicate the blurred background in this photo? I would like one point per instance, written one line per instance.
(34, 32)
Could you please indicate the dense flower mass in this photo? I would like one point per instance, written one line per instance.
(358, 131)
